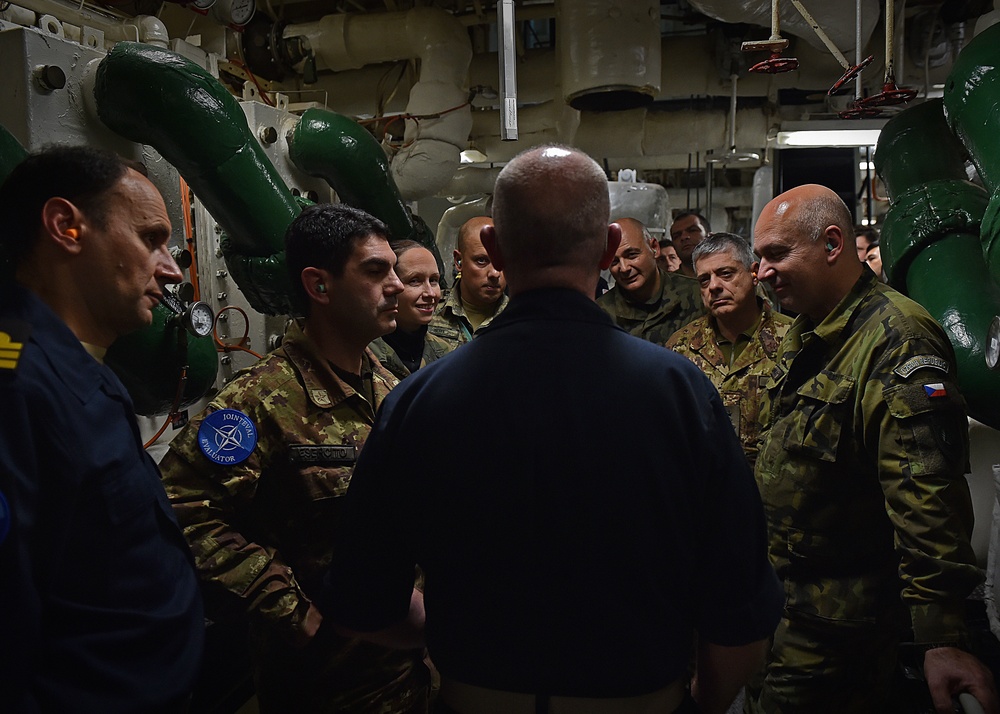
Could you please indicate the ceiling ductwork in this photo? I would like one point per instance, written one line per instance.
(438, 116)
(838, 19)
(609, 53)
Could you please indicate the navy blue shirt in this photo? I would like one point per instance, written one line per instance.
(579, 504)
(99, 603)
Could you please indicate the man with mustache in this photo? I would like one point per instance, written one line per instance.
(735, 344)
(478, 293)
(257, 479)
(646, 301)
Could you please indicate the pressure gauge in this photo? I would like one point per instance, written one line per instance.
(201, 6)
(234, 12)
(993, 344)
(199, 319)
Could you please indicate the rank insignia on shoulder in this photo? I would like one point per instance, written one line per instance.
(227, 437)
(921, 362)
(935, 390)
(12, 339)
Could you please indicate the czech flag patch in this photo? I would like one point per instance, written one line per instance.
(935, 390)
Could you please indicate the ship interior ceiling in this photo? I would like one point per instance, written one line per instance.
(246, 110)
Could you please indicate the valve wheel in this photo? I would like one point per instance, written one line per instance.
(860, 113)
(775, 65)
(849, 74)
(891, 95)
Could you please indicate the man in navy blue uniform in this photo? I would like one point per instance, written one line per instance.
(569, 564)
(99, 604)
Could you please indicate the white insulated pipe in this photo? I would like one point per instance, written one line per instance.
(142, 28)
(433, 141)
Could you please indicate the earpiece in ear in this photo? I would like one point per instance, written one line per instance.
(321, 288)
(72, 233)
(829, 247)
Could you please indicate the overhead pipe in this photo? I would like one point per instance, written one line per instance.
(340, 151)
(439, 118)
(159, 98)
(116, 28)
(930, 242)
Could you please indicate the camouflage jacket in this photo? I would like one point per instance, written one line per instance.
(740, 384)
(434, 348)
(450, 322)
(262, 531)
(862, 469)
(678, 303)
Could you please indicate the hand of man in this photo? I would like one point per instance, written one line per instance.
(950, 671)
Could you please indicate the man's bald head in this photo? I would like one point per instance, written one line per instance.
(551, 209)
(470, 230)
(805, 238)
(824, 208)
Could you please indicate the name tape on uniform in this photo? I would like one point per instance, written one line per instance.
(342, 455)
(227, 437)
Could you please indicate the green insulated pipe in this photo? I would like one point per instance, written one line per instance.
(971, 107)
(156, 97)
(151, 362)
(930, 242)
(11, 153)
(340, 151)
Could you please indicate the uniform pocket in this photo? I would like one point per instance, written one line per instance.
(127, 491)
(933, 425)
(819, 582)
(820, 413)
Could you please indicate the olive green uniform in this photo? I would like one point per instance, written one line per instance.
(262, 531)
(740, 380)
(677, 303)
(869, 514)
(450, 322)
(434, 348)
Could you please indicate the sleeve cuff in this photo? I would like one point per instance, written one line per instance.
(937, 623)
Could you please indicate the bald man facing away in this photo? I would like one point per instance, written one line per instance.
(478, 293)
(611, 567)
(861, 473)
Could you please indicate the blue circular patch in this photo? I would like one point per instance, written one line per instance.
(227, 437)
(5, 517)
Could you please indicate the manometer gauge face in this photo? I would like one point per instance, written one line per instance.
(242, 11)
(201, 4)
(200, 319)
(993, 344)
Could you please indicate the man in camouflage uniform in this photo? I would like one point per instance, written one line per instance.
(478, 293)
(647, 302)
(261, 519)
(736, 342)
(861, 473)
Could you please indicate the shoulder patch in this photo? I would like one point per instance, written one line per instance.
(227, 437)
(13, 335)
(921, 362)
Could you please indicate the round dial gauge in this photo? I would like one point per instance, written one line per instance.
(993, 344)
(234, 12)
(202, 5)
(199, 319)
